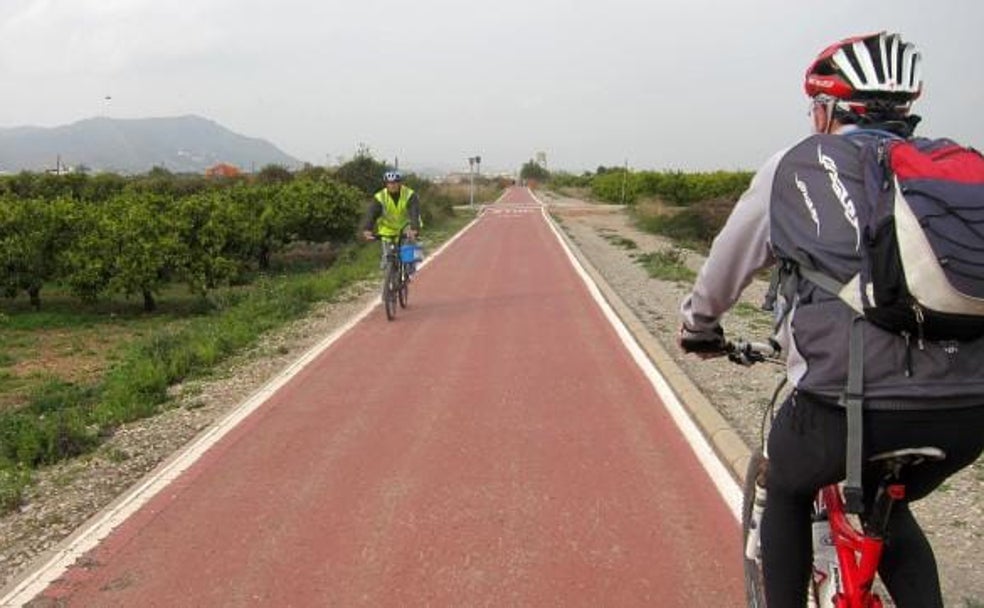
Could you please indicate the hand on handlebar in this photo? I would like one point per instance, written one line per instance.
(747, 353)
(706, 344)
(368, 235)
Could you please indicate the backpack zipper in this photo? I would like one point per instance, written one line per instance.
(881, 155)
(920, 319)
(908, 353)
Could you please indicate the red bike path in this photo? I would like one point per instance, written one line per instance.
(495, 445)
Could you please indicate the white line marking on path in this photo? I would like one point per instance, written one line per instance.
(718, 471)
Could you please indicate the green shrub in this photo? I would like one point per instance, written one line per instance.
(693, 227)
(13, 481)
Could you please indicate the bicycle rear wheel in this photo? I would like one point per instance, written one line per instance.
(391, 284)
(754, 582)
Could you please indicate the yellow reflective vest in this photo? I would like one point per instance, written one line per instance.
(395, 212)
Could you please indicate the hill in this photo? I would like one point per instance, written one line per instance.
(180, 144)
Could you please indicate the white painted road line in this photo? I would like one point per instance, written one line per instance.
(718, 471)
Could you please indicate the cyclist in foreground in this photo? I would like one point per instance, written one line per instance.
(932, 395)
(393, 207)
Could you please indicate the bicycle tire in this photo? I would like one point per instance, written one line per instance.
(818, 594)
(404, 291)
(754, 582)
(390, 287)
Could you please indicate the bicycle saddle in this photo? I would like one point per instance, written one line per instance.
(909, 456)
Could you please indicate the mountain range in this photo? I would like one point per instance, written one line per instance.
(183, 144)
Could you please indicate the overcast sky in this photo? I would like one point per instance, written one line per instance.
(689, 84)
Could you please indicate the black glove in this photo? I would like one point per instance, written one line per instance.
(706, 342)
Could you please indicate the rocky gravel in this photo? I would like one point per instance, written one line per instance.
(66, 495)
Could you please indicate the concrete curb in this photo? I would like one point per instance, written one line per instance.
(725, 441)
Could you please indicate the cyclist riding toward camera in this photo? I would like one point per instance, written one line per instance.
(393, 207)
(801, 214)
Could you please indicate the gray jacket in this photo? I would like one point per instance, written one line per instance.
(801, 205)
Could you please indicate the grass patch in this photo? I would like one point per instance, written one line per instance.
(667, 265)
(758, 319)
(746, 310)
(693, 227)
(64, 419)
(116, 455)
(619, 240)
(13, 482)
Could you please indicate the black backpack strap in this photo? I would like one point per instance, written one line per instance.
(821, 280)
(785, 280)
(853, 402)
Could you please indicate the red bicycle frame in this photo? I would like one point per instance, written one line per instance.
(857, 553)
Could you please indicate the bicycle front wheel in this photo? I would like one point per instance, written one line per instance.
(391, 285)
(404, 291)
(754, 582)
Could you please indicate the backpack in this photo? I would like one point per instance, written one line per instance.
(921, 240)
(922, 251)
(921, 244)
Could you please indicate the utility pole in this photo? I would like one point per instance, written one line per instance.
(474, 165)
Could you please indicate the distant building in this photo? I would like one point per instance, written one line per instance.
(455, 178)
(223, 170)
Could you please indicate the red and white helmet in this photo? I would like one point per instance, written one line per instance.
(864, 70)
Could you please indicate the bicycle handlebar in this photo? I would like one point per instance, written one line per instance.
(748, 353)
(404, 234)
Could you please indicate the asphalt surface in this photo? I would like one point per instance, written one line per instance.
(495, 445)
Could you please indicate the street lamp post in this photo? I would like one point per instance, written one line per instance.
(474, 166)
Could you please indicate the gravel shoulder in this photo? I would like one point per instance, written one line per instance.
(67, 495)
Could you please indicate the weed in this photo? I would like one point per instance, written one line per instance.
(116, 455)
(686, 228)
(13, 482)
(759, 319)
(667, 265)
(693, 227)
(620, 241)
